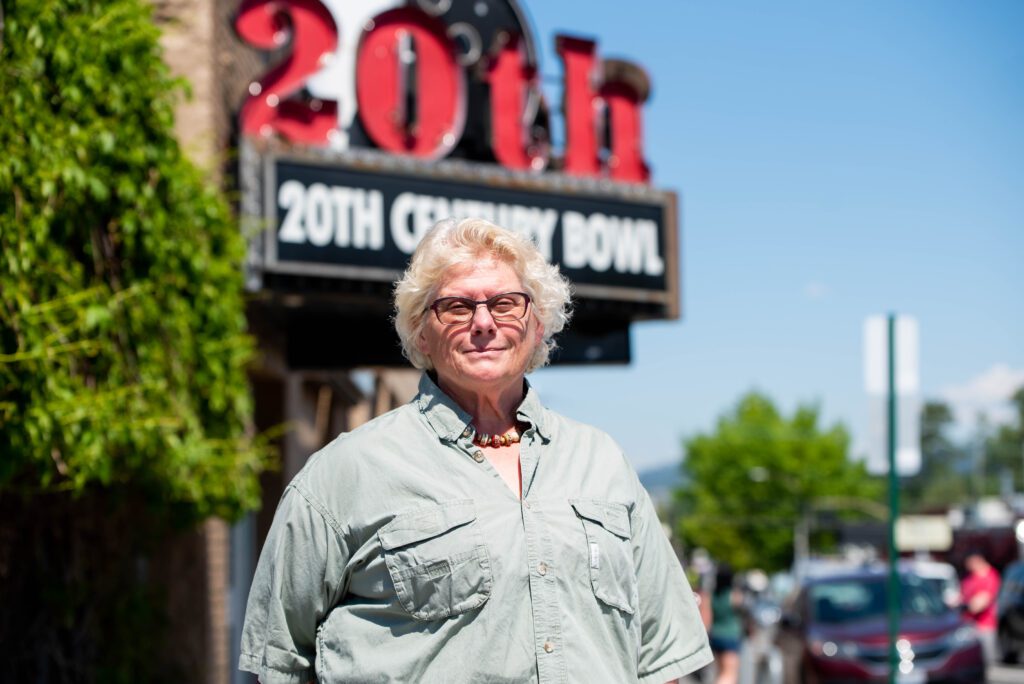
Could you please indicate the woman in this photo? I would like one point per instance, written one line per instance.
(726, 630)
(471, 535)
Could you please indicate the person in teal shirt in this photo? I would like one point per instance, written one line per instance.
(726, 630)
(472, 535)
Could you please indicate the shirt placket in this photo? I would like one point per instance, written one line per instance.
(547, 630)
(465, 445)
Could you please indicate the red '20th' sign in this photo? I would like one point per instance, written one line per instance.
(404, 72)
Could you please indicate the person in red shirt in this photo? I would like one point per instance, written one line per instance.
(979, 590)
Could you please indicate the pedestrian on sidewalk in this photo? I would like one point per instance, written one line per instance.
(979, 590)
(726, 626)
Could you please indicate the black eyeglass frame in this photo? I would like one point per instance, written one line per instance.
(476, 304)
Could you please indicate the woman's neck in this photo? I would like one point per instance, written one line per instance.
(493, 410)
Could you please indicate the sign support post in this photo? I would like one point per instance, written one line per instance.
(894, 510)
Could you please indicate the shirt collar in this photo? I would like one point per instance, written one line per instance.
(450, 421)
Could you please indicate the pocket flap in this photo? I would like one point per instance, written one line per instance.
(611, 516)
(424, 523)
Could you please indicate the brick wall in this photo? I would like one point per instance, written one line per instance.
(195, 572)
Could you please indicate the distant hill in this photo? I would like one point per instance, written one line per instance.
(661, 481)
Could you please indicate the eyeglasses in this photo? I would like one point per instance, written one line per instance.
(508, 306)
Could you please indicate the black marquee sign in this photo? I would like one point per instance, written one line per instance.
(339, 216)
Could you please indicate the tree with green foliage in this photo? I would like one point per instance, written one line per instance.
(124, 402)
(759, 474)
(122, 343)
(1004, 448)
(941, 481)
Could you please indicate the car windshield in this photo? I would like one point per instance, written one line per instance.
(935, 583)
(862, 598)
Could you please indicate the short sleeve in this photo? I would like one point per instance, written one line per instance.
(673, 641)
(299, 577)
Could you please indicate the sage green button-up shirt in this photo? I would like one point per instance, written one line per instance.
(398, 554)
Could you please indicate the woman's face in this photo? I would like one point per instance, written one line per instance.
(482, 353)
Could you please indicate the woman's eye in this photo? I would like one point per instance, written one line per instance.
(459, 308)
(503, 305)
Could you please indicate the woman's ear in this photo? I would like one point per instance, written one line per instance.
(421, 342)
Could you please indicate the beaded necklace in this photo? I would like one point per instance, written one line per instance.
(485, 440)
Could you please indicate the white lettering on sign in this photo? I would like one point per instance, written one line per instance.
(413, 215)
(601, 242)
(321, 215)
(289, 197)
(358, 218)
(367, 219)
(405, 226)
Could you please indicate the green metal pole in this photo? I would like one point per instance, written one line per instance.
(894, 511)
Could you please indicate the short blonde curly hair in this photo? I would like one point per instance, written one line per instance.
(451, 242)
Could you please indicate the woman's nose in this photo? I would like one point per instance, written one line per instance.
(482, 319)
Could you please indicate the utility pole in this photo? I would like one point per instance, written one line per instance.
(894, 511)
(892, 385)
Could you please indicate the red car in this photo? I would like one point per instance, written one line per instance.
(835, 630)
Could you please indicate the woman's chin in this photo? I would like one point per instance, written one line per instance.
(484, 370)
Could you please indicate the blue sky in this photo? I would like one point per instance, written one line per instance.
(834, 161)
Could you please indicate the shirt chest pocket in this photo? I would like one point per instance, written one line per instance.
(609, 552)
(435, 560)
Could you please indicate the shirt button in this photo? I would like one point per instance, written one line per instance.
(478, 456)
(467, 432)
(542, 568)
(548, 647)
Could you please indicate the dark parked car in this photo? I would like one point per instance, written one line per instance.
(1010, 611)
(835, 629)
